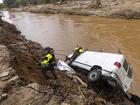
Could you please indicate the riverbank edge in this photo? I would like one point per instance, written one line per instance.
(128, 13)
(51, 10)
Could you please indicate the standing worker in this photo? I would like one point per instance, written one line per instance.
(49, 62)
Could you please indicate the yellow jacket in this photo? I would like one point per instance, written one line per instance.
(46, 61)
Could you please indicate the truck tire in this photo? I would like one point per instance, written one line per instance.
(135, 99)
(94, 75)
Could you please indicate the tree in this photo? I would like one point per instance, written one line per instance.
(9, 2)
(2, 6)
(16, 3)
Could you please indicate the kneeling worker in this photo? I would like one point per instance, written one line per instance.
(78, 50)
(49, 62)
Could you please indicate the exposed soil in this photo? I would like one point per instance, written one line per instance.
(32, 88)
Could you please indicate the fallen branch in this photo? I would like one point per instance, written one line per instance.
(80, 80)
(36, 90)
(82, 93)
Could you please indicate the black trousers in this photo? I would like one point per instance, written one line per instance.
(49, 67)
(75, 55)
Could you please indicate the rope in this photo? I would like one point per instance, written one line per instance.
(64, 50)
(60, 54)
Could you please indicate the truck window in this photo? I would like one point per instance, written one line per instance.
(125, 65)
(129, 73)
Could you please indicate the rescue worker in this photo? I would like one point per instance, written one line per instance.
(49, 62)
(78, 50)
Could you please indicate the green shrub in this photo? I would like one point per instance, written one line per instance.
(17, 3)
(2, 6)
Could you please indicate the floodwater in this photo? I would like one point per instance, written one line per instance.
(64, 32)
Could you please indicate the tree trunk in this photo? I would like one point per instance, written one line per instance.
(95, 4)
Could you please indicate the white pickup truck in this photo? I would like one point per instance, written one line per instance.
(108, 66)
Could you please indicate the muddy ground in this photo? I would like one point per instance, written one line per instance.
(26, 85)
(107, 8)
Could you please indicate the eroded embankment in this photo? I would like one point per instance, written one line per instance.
(107, 8)
(24, 58)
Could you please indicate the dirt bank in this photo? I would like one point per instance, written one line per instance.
(23, 56)
(108, 8)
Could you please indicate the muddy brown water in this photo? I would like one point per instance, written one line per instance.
(64, 32)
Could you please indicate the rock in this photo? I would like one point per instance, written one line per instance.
(34, 85)
(12, 72)
(2, 46)
(64, 103)
(99, 100)
(4, 95)
(9, 69)
(2, 86)
(13, 78)
(4, 76)
(4, 55)
(8, 74)
(19, 46)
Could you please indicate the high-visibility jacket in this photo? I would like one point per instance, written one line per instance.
(49, 59)
(79, 50)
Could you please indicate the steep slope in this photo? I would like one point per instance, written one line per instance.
(32, 87)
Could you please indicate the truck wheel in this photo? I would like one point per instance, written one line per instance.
(135, 99)
(94, 75)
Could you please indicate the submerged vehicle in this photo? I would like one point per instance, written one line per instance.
(110, 67)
